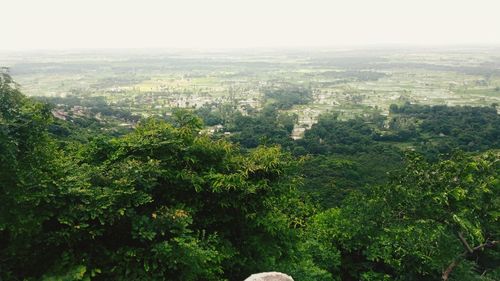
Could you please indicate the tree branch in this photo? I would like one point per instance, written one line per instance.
(449, 269)
(461, 236)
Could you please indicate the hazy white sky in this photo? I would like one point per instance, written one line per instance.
(61, 24)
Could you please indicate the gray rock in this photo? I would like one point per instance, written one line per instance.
(269, 276)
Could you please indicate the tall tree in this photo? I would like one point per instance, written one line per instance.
(433, 221)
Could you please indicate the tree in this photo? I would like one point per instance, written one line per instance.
(432, 221)
(29, 163)
(160, 203)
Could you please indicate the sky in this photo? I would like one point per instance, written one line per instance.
(205, 24)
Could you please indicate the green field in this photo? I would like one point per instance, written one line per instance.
(349, 82)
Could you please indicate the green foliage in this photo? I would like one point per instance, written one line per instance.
(409, 229)
(286, 97)
(442, 128)
(25, 148)
(161, 203)
(345, 156)
(265, 128)
(331, 135)
(213, 114)
(165, 202)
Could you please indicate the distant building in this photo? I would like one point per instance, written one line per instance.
(59, 114)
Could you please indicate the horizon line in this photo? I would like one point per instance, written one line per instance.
(246, 48)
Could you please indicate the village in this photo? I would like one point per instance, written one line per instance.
(145, 88)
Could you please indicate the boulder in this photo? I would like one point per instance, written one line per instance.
(269, 276)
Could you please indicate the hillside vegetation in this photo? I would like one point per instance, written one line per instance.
(412, 197)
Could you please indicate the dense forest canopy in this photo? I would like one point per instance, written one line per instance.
(371, 198)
